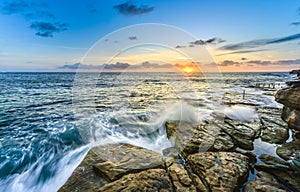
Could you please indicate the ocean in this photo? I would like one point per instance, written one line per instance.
(48, 121)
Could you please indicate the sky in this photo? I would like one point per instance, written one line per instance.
(144, 35)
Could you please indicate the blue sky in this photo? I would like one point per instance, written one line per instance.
(240, 35)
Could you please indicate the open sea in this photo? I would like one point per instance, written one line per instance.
(48, 121)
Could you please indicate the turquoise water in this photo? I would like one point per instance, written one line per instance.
(48, 120)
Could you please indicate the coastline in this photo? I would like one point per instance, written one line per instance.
(225, 160)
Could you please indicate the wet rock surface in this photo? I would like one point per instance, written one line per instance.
(290, 98)
(148, 180)
(215, 155)
(264, 182)
(104, 164)
(191, 138)
(292, 117)
(181, 179)
(222, 171)
(243, 133)
(281, 170)
(286, 150)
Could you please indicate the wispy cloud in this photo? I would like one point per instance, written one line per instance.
(259, 42)
(260, 62)
(242, 52)
(200, 42)
(46, 29)
(296, 23)
(131, 9)
(39, 14)
(115, 66)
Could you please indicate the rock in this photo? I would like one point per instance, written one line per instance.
(171, 152)
(274, 130)
(264, 182)
(289, 97)
(148, 180)
(271, 160)
(84, 178)
(286, 150)
(295, 162)
(179, 176)
(191, 138)
(274, 133)
(106, 163)
(221, 171)
(292, 117)
(288, 177)
(243, 133)
(118, 160)
(294, 83)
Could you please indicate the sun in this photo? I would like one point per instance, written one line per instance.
(189, 70)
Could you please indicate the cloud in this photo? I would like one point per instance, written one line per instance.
(29, 10)
(213, 40)
(209, 41)
(243, 51)
(180, 46)
(228, 63)
(13, 7)
(132, 38)
(39, 14)
(244, 59)
(147, 64)
(46, 29)
(259, 42)
(260, 62)
(115, 66)
(129, 9)
(289, 62)
(296, 23)
(77, 65)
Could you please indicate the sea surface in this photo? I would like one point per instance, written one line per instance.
(48, 121)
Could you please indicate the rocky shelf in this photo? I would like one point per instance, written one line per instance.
(215, 155)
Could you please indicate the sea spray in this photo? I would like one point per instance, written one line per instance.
(59, 170)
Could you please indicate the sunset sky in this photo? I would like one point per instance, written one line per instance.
(56, 35)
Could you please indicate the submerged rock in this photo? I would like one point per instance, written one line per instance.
(148, 180)
(221, 171)
(107, 163)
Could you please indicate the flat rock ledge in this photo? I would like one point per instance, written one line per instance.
(124, 167)
(204, 157)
